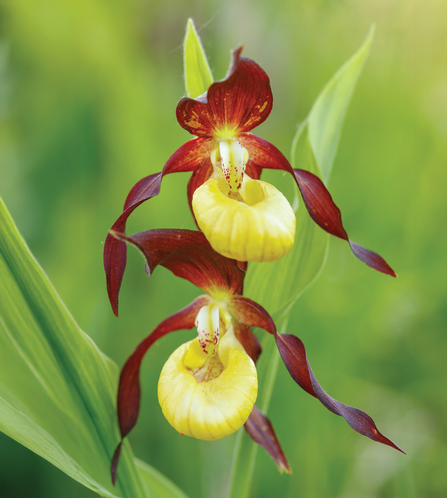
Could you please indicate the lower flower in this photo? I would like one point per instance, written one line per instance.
(208, 386)
(208, 396)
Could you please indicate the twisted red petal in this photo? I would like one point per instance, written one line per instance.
(239, 102)
(129, 392)
(115, 251)
(317, 199)
(188, 255)
(294, 356)
(326, 214)
(260, 429)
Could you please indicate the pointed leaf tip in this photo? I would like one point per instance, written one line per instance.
(198, 76)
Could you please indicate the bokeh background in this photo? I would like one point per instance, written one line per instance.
(88, 90)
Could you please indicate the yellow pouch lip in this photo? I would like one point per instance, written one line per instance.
(214, 409)
(260, 226)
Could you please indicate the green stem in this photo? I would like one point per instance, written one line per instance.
(245, 449)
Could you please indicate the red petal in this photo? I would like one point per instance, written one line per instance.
(372, 259)
(319, 203)
(317, 198)
(261, 431)
(263, 154)
(241, 101)
(326, 214)
(294, 356)
(250, 313)
(191, 156)
(129, 393)
(188, 255)
(198, 178)
(115, 251)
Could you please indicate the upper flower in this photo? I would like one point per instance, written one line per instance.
(208, 386)
(242, 217)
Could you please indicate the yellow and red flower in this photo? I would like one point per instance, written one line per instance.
(208, 386)
(242, 217)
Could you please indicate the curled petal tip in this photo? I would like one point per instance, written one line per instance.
(372, 259)
(260, 429)
(114, 464)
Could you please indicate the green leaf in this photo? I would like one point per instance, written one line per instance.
(198, 76)
(328, 112)
(159, 485)
(57, 390)
(276, 286)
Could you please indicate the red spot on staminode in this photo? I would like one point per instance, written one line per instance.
(180, 434)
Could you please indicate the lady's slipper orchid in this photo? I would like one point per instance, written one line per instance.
(208, 386)
(241, 217)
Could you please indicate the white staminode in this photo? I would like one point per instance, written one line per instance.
(208, 327)
(232, 160)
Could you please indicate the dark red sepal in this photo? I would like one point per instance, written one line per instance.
(198, 178)
(239, 102)
(294, 356)
(115, 251)
(260, 429)
(249, 341)
(188, 255)
(128, 403)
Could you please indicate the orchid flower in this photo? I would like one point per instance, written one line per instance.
(208, 386)
(242, 217)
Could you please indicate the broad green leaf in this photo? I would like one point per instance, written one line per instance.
(328, 112)
(277, 285)
(198, 76)
(57, 390)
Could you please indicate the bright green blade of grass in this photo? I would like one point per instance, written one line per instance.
(198, 76)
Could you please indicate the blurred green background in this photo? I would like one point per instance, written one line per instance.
(88, 91)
